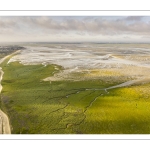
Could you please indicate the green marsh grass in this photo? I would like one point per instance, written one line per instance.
(63, 107)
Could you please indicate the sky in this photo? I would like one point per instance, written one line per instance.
(109, 29)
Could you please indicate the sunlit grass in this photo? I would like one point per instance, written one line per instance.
(121, 111)
(38, 107)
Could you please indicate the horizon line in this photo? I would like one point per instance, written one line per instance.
(83, 42)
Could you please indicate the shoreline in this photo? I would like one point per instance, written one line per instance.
(4, 120)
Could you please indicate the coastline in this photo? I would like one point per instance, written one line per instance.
(4, 120)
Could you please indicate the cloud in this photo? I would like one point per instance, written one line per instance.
(134, 18)
(91, 25)
(74, 26)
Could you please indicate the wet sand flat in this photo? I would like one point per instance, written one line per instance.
(128, 60)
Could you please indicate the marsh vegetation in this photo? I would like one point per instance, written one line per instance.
(50, 98)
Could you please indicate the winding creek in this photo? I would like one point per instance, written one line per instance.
(4, 120)
(125, 84)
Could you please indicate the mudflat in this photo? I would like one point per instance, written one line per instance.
(78, 89)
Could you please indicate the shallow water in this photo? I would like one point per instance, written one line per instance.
(86, 56)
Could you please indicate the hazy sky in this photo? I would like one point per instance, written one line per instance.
(75, 29)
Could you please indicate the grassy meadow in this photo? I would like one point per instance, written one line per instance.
(35, 106)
